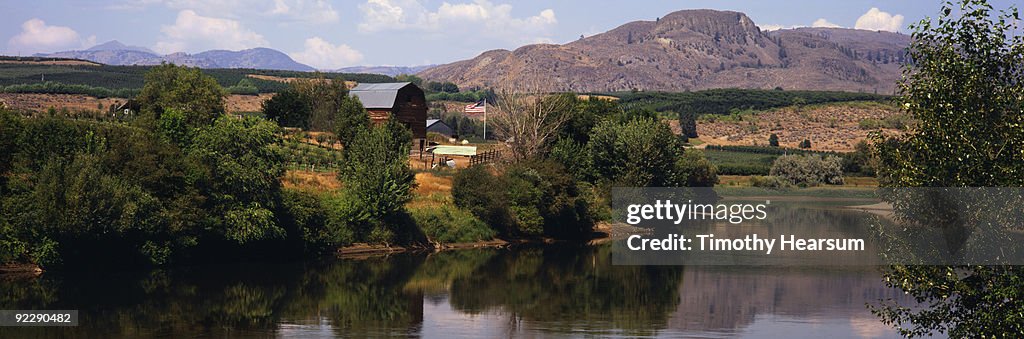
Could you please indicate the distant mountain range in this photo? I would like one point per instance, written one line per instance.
(386, 70)
(694, 50)
(116, 53)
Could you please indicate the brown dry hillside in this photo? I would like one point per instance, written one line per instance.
(693, 50)
(831, 127)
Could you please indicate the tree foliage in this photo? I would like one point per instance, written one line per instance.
(289, 109)
(185, 89)
(637, 153)
(964, 90)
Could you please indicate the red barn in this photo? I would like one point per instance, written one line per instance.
(401, 100)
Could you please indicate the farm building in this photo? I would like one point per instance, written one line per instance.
(403, 100)
(438, 126)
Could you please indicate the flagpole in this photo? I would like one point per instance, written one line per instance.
(485, 120)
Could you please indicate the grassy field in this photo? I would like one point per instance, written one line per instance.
(741, 163)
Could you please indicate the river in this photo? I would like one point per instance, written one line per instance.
(555, 290)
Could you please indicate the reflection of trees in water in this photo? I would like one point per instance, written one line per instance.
(186, 303)
(729, 298)
(570, 288)
(354, 295)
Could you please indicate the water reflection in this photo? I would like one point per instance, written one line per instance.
(525, 292)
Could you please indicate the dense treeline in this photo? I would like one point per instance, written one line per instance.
(182, 181)
(51, 87)
(725, 101)
(117, 78)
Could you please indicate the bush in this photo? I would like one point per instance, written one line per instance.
(538, 198)
(768, 182)
(695, 170)
(773, 140)
(450, 224)
(809, 170)
(473, 190)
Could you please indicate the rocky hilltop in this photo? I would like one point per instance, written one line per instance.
(694, 50)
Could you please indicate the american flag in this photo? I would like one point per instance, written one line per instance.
(478, 107)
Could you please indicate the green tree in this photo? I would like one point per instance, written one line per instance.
(377, 178)
(351, 119)
(688, 124)
(289, 109)
(240, 166)
(963, 88)
(325, 98)
(773, 140)
(638, 153)
(187, 89)
(410, 78)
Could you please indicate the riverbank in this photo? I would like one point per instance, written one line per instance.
(603, 232)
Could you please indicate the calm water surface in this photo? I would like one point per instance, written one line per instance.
(526, 292)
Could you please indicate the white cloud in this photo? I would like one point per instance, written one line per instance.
(876, 20)
(480, 18)
(192, 32)
(824, 23)
(313, 11)
(36, 36)
(321, 54)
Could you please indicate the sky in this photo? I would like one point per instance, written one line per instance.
(330, 34)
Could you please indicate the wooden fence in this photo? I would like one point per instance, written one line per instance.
(485, 157)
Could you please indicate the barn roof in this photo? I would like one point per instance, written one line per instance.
(378, 95)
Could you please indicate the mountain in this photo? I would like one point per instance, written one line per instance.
(694, 50)
(385, 70)
(116, 53)
(261, 58)
(114, 45)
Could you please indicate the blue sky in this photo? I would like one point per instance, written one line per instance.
(330, 34)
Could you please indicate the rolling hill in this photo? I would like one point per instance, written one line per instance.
(116, 53)
(694, 50)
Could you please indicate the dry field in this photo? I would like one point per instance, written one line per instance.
(829, 127)
(78, 102)
(42, 102)
(245, 103)
(311, 181)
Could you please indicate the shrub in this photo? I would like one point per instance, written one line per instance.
(695, 170)
(450, 224)
(768, 182)
(538, 198)
(773, 140)
(474, 190)
(809, 170)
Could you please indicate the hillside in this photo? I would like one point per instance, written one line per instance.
(385, 70)
(116, 53)
(693, 50)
